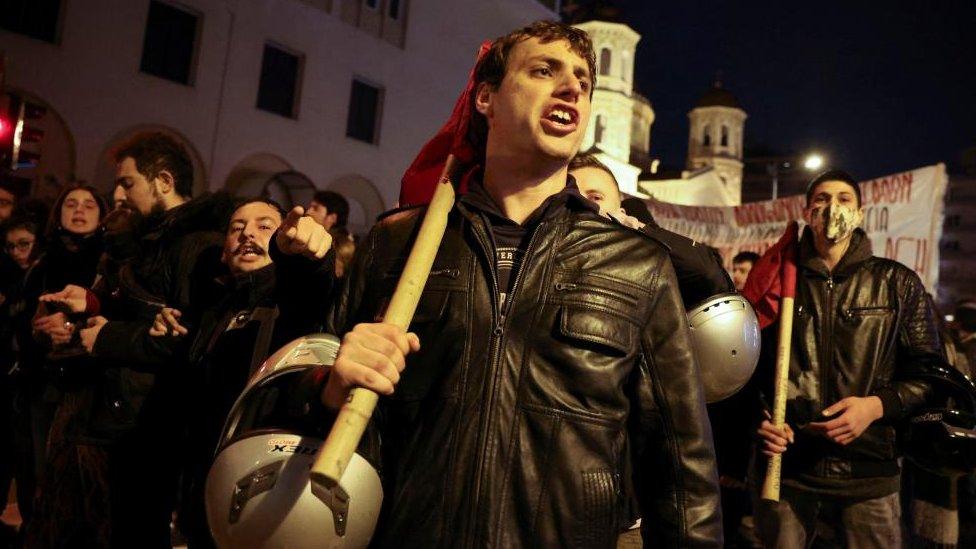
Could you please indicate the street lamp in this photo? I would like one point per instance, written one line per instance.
(811, 162)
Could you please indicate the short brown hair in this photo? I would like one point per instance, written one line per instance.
(493, 67)
(834, 175)
(334, 203)
(154, 152)
(589, 160)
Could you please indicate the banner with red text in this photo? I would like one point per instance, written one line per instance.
(902, 216)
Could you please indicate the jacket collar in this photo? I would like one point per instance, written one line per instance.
(478, 199)
(255, 286)
(858, 252)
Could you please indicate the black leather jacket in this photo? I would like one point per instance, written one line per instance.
(535, 429)
(860, 330)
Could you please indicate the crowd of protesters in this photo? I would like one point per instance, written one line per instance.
(128, 326)
(128, 330)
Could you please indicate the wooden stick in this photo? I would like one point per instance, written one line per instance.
(770, 488)
(334, 456)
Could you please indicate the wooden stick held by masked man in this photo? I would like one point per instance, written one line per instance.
(772, 291)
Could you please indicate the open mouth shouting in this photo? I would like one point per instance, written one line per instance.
(560, 120)
(249, 251)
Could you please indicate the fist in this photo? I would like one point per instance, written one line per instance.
(371, 356)
(300, 234)
(774, 439)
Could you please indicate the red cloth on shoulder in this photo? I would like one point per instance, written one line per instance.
(773, 277)
(420, 179)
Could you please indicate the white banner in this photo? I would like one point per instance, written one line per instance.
(902, 216)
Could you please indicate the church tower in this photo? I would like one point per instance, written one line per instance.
(620, 118)
(715, 137)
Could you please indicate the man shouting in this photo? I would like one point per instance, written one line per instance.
(548, 374)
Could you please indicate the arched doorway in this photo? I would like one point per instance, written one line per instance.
(105, 170)
(365, 202)
(55, 150)
(291, 188)
(249, 176)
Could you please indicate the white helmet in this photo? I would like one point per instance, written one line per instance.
(258, 492)
(725, 336)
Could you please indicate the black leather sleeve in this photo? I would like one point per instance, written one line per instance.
(345, 310)
(919, 344)
(699, 270)
(128, 343)
(674, 458)
(303, 287)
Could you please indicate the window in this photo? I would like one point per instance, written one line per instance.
(279, 85)
(598, 129)
(365, 106)
(707, 136)
(168, 47)
(34, 18)
(725, 136)
(393, 9)
(605, 61)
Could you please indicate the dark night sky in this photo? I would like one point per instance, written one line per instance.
(879, 87)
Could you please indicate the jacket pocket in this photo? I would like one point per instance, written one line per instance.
(607, 333)
(598, 292)
(431, 307)
(868, 311)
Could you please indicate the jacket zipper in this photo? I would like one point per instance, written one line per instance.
(828, 330)
(497, 334)
(497, 331)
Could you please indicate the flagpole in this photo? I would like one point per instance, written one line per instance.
(349, 426)
(784, 344)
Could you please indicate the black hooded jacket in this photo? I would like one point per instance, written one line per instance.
(859, 330)
(177, 262)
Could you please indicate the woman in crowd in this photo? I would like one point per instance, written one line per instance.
(75, 246)
(23, 243)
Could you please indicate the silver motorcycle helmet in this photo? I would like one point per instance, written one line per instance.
(258, 492)
(725, 336)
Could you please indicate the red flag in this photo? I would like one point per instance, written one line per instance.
(773, 277)
(417, 185)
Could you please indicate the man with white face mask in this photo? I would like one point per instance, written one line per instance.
(862, 325)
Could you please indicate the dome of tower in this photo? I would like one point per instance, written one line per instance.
(718, 96)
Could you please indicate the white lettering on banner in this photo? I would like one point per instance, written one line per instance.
(902, 217)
